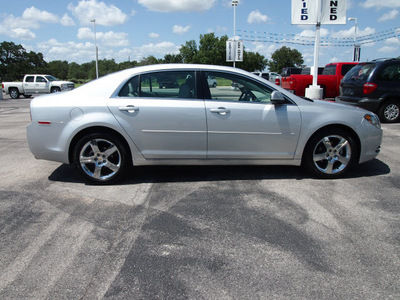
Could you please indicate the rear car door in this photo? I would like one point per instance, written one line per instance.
(162, 115)
(29, 84)
(244, 124)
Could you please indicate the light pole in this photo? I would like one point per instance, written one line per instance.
(355, 34)
(234, 4)
(97, 49)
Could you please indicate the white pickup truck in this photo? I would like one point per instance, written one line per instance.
(34, 84)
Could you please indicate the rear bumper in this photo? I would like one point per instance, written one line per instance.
(371, 104)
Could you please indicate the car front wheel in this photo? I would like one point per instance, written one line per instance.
(330, 153)
(101, 158)
(390, 112)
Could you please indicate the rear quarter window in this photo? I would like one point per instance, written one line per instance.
(389, 73)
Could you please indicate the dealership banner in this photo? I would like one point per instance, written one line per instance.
(234, 50)
(305, 12)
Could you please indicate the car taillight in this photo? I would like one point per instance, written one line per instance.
(277, 81)
(369, 87)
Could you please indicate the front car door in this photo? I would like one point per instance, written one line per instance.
(162, 115)
(244, 124)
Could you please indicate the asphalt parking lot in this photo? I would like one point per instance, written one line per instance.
(196, 232)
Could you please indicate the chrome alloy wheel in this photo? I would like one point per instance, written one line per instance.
(332, 154)
(391, 112)
(100, 159)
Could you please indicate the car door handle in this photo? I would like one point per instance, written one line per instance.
(130, 108)
(220, 110)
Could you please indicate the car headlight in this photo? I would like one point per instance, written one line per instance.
(373, 119)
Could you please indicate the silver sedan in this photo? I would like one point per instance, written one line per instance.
(134, 117)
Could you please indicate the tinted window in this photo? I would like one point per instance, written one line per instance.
(29, 79)
(329, 70)
(360, 72)
(237, 88)
(40, 79)
(346, 68)
(390, 73)
(131, 88)
(179, 84)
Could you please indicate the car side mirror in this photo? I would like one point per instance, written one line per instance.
(277, 98)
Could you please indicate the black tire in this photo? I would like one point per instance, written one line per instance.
(101, 158)
(330, 153)
(55, 89)
(14, 93)
(389, 112)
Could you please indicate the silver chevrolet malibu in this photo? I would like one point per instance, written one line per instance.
(169, 114)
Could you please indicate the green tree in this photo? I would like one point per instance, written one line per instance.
(58, 69)
(189, 52)
(15, 62)
(172, 59)
(212, 50)
(252, 62)
(285, 57)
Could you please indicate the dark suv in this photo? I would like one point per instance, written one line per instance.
(375, 86)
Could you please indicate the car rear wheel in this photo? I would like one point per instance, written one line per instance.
(101, 157)
(14, 93)
(330, 153)
(390, 112)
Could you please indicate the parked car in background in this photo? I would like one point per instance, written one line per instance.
(212, 82)
(34, 84)
(375, 86)
(329, 80)
(124, 118)
(264, 75)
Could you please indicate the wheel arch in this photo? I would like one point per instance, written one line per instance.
(348, 129)
(95, 129)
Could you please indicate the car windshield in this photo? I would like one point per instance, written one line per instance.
(359, 72)
(51, 78)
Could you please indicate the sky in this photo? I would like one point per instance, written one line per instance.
(133, 29)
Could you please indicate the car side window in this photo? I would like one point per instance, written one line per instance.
(29, 79)
(390, 73)
(346, 68)
(40, 79)
(130, 88)
(173, 84)
(230, 87)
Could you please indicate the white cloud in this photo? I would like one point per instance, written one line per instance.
(34, 14)
(391, 15)
(256, 17)
(180, 29)
(177, 5)
(67, 21)
(154, 35)
(381, 3)
(349, 33)
(108, 39)
(21, 27)
(388, 49)
(107, 15)
(70, 51)
(158, 50)
(22, 33)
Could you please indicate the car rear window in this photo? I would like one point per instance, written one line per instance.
(329, 70)
(360, 72)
